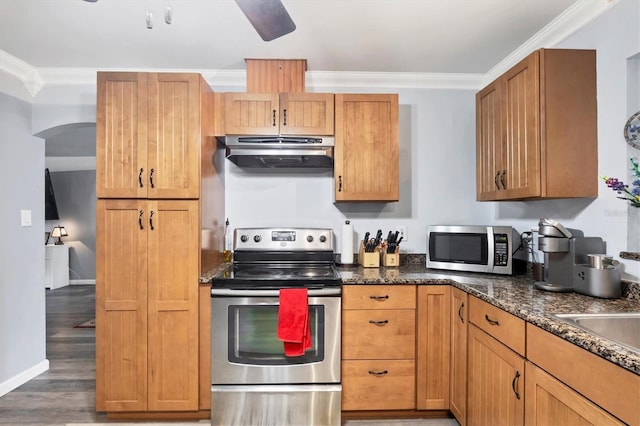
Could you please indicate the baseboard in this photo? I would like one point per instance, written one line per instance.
(82, 282)
(22, 378)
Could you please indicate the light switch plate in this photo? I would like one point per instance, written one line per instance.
(25, 217)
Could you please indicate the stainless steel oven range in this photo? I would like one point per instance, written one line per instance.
(253, 381)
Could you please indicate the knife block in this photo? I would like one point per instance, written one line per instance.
(368, 260)
(390, 259)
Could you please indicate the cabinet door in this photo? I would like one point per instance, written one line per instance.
(366, 147)
(173, 230)
(550, 402)
(433, 353)
(489, 143)
(121, 305)
(458, 366)
(251, 113)
(496, 382)
(121, 135)
(173, 135)
(306, 114)
(521, 100)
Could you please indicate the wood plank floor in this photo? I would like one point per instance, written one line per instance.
(65, 394)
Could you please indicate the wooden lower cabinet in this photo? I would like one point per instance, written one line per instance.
(433, 351)
(458, 361)
(147, 348)
(378, 384)
(378, 347)
(551, 402)
(496, 382)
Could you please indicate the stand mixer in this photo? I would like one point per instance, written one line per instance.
(565, 251)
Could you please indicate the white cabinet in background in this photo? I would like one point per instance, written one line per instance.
(56, 266)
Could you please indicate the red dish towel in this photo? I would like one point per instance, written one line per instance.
(293, 321)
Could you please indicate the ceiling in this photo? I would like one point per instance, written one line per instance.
(412, 36)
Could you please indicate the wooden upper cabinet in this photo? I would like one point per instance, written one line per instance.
(121, 135)
(276, 75)
(148, 133)
(310, 114)
(366, 147)
(531, 121)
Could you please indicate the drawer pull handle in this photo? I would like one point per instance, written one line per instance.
(140, 219)
(374, 322)
(274, 118)
(151, 220)
(151, 178)
(460, 312)
(491, 321)
(379, 298)
(515, 383)
(378, 373)
(140, 177)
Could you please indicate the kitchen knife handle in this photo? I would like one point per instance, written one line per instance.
(151, 178)
(340, 183)
(151, 220)
(378, 373)
(377, 322)
(140, 177)
(504, 174)
(284, 117)
(140, 219)
(274, 118)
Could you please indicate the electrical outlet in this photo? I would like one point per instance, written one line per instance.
(402, 229)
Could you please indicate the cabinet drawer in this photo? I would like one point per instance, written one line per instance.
(378, 385)
(379, 297)
(507, 328)
(378, 334)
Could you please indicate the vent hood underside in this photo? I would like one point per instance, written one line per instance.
(276, 158)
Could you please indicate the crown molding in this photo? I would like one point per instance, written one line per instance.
(566, 24)
(562, 27)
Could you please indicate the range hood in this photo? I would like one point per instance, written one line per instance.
(280, 151)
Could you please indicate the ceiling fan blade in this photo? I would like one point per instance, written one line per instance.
(269, 17)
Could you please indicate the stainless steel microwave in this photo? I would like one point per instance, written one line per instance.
(487, 249)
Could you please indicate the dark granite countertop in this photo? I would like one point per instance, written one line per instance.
(516, 295)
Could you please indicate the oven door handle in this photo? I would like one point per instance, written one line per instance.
(333, 291)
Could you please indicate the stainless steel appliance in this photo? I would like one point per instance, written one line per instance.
(565, 250)
(486, 249)
(253, 381)
(280, 151)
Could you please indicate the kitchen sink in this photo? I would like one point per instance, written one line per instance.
(623, 328)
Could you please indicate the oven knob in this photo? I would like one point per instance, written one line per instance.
(257, 238)
(309, 238)
(323, 238)
(243, 238)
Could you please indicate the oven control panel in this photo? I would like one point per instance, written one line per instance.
(283, 239)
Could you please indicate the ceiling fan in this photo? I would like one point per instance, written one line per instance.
(269, 17)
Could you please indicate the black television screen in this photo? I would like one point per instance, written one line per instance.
(50, 206)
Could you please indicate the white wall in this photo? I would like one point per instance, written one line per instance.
(22, 310)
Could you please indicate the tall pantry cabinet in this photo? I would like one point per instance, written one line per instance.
(157, 188)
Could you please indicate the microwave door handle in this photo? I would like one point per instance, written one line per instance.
(491, 249)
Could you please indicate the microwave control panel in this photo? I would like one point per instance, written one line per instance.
(501, 244)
